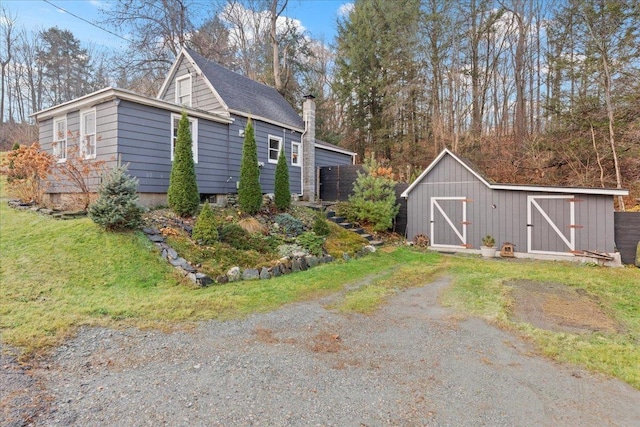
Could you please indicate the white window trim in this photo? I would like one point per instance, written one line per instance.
(298, 163)
(269, 149)
(177, 94)
(83, 146)
(56, 140)
(194, 135)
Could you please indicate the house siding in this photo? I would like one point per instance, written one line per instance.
(144, 135)
(201, 95)
(508, 220)
(326, 157)
(106, 142)
(262, 131)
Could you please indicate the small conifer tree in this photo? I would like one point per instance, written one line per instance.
(282, 192)
(249, 190)
(205, 230)
(183, 196)
(373, 199)
(117, 205)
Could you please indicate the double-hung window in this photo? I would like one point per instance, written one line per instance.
(274, 148)
(183, 90)
(60, 138)
(296, 158)
(193, 128)
(88, 133)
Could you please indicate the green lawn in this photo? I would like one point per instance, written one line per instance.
(481, 288)
(58, 275)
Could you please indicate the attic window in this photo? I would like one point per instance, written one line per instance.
(183, 90)
(274, 148)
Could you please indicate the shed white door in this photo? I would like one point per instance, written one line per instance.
(449, 221)
(551, 227)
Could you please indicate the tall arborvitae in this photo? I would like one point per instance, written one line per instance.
(249, 190)
(282, 191)
(183, 196)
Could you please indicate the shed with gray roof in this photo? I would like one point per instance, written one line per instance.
(455, 206)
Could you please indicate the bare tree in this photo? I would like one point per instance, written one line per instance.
(8, 39)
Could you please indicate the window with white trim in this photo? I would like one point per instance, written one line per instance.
(88, 133)
(296, 158)
(274, 148)
(193, 128)
(183, 90)
(59, 142)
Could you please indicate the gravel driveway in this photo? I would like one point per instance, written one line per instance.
(412, 363)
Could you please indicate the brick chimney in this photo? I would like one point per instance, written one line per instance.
(308, 149)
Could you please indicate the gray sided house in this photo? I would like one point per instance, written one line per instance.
(122, 127)
(456, 206)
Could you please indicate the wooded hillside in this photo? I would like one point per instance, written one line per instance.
(531, 91)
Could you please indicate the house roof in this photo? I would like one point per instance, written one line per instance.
(111, 93)
(244, 96)
(513, 187)
(333, 147)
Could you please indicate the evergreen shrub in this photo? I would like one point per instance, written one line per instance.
(291, 226)
(282, 191)
(373, 199)
(249, 190)
(117, 205)
(205, 230)
(183, 196)
(311, 242)
(320, 225)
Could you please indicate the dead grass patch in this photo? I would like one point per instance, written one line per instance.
(559, 308)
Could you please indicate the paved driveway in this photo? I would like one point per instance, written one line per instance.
(412, 363)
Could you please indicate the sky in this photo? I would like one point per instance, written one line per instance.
(317, 16)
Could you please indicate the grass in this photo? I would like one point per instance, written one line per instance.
(59, 275)
(371, 294)
(56, 276)
(480, 289)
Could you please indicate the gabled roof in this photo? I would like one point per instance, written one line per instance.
(513, 187)
(111, 93)
(332, 147)
(243, 96)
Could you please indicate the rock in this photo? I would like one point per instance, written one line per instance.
(156, 238)
(369, 249)
(250, 274)
(150, 230)
(264, 273)
(164, 254)
(286, 262)
(222, 279)
(275, 271)
(328, 258)
(299, 254)
(45, 211)
(284, 269)
(345, 256)
(178, 262)
(188, 267)
(312, 261)
(234, 274)
(203, 280)
(296, 266)
(171, 253)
